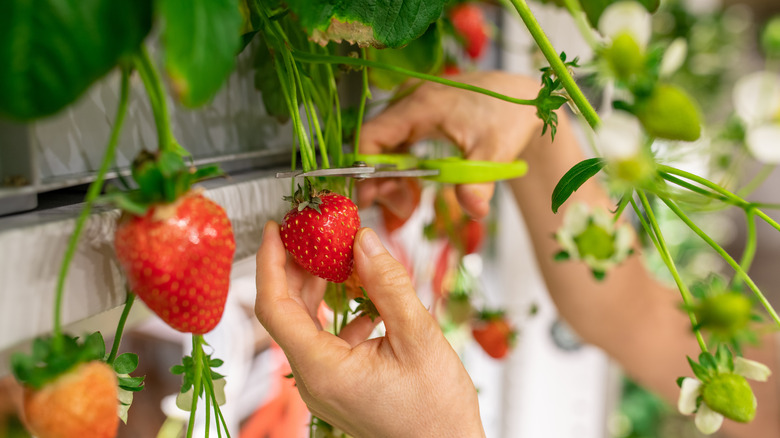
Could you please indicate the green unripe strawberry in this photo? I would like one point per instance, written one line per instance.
(725, 312)
(770, 38)
(730, 395)
(669, 113)
(625, 57)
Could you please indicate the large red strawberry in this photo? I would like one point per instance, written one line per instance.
(79, 403)
(494, 333)
(469, 22)
(177, 259)
(319, 232)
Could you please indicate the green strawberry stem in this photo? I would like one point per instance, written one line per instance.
(555, 62)
(750, 244)
(156, 93)
(120, 328)
(316, 58)
(653, 229)
(212, 395)
(311, 115)
(92, 193)
(197, 359)
(725, 255)
(208, 415)
(365, 93)
(287, 72)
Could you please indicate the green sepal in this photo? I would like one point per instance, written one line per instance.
(724, 359)
(599, 275)
(561, 256)
(708, 361)
(699, 371)
(680, 381)
(52, 356)
(365, 307)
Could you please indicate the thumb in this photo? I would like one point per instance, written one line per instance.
(388, 286)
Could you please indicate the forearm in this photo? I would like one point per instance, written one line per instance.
(630, 315)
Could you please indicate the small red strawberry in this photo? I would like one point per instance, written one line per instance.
(319, 232)
(469, 22)
(79, 403)
(177, 259)
(494, 333)
(472, 234)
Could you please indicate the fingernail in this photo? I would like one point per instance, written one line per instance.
(369, 242)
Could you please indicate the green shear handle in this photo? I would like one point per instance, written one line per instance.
(451, 170)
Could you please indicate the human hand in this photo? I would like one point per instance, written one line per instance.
(483, 127)
(409, 383)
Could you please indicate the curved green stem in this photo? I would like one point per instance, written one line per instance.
(330, 59)
(725, 255)
(364, 95)
(663, 249)
(731, 197)
(120, 327)
(750, 243)
(555, 62)
(197, 359)
(154, 88)
(736, 200)
(92, 193)
(696, 189)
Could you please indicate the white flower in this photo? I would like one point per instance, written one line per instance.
(751, 369)
(707, 420)
(593, 238)
(626, 17)
(674, 57)
(757, 102)
(619, 136)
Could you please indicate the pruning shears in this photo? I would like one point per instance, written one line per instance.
(451, 170)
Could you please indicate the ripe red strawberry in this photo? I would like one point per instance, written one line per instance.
(177, 259)
(80, 403)
(472, 234)
(469, 22)
(320, 232)
(494, 333)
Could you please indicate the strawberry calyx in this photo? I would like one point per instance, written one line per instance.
(306, 196)
(366, 307)
(53, 356)
(161, 178)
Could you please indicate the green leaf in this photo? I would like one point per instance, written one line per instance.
(423, 55)
(177, 369)
(202, 38)
(389, 23)
(573, 179)
(51, 51)
(216, 363)
(126, 363)
(131, 382)
(561, 256)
